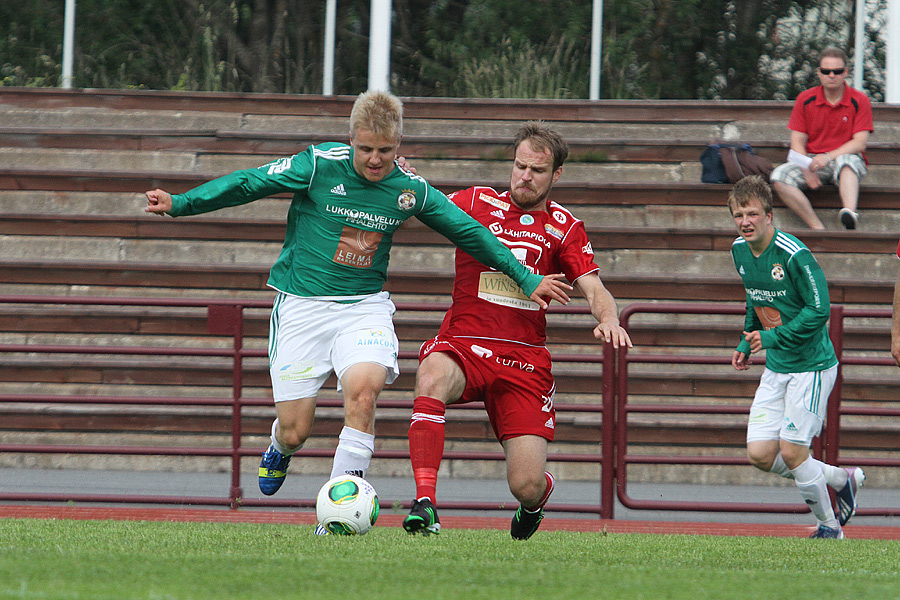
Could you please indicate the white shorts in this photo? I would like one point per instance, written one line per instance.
(790, 406)
(309, 338)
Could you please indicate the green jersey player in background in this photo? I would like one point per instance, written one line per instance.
(330, 313)
(787, 312)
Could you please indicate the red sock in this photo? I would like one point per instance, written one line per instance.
(426, 444)
(551, 483)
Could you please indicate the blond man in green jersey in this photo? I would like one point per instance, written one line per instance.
(787, 311)
(331, 313)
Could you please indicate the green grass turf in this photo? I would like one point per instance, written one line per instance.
(50, 559)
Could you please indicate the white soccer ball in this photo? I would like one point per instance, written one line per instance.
(347, 505)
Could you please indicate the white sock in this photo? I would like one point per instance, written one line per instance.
(836, 477)
(278, 446)
(779, 467)
(812, 487)
(354, 453)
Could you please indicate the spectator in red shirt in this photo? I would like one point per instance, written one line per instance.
(830, 124)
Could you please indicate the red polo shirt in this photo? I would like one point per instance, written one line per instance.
(828, 126)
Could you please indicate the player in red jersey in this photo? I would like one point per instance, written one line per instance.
(491, 344)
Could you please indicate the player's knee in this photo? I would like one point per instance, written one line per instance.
(794, 454)
(761, 459)
(438, 376)
(427, 383)
(528, 490)
(291, 435)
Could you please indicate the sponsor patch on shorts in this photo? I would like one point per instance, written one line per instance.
(759, 417)
(375, 337)
(297, 371)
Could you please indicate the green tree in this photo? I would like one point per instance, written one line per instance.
(732, 49)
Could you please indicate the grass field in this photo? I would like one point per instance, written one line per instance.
(70, 559)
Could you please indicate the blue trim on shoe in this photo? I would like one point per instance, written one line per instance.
(848, 496)
(272, 470)
(828, 533)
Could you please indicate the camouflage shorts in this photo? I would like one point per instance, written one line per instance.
(792, 175)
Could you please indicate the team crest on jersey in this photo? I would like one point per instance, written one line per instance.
(493, 201)
(526, 220)
(406, 200)
(551, 230)
(777, 272)
(560, 217)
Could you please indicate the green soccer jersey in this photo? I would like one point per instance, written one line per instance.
(340, 226)
(787, 301)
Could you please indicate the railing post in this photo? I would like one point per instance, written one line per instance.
(229, 320)
(833, 417)
(608, 434)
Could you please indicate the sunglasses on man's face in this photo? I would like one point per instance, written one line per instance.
(830, 71)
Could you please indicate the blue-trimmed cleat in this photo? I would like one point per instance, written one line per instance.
(320, 530)
(272, 470)
(847, 496)
(828, 533)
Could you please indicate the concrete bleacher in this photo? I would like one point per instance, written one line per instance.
(73, 166)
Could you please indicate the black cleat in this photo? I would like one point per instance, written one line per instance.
(525, 523)
(423, 518)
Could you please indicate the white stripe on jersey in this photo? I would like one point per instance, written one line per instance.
(411, 175)
(339, 153)
(787, 244)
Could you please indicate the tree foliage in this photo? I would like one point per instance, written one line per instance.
(733, 49)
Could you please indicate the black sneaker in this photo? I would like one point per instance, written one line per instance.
(849, 218)
(423, 518)
(525, 523)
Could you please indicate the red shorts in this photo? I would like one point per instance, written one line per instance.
(514, 382)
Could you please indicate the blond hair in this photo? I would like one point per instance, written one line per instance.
(379, 112)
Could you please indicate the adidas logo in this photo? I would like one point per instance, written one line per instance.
(549, 423)
(339, 190)
(498, 213)
(355, 472)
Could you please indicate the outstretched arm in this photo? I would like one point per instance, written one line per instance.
(603, 307)
(551, 287)
(158, 202)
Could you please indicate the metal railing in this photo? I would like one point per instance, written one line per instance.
(826, 446)
(226, 319)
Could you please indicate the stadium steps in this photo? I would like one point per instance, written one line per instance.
(636, 251)
(595, 147)
(75, 165)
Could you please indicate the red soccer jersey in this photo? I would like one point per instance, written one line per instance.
(489, 305)
(830, 126)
